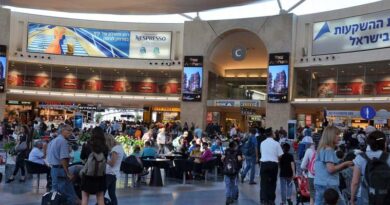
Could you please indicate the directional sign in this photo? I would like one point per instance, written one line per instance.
(367, 112)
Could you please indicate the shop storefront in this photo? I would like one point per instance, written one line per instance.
(165, 114)
(21, 110)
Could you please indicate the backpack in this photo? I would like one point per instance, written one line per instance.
(131, 164)
(310, 166)
(53, 198)
(95, 165)
(248, 148)
(377, 178)
(230, 163)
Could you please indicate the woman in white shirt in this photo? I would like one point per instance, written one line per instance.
(308, 165)
(161, 141)
(114, 161)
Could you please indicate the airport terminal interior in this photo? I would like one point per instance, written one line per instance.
(187, 102)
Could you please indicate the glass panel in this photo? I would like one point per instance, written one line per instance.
(302, 82)
(350, 80)
(89, 79)
(323, 82)
(38, 76)
(16, 74)
(65, 78)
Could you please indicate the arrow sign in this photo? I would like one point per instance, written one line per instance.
(367, 112)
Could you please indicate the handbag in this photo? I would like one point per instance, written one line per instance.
(21, 146)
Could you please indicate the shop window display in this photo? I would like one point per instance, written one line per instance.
(369, 79)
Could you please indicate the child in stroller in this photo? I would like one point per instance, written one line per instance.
(302, 187)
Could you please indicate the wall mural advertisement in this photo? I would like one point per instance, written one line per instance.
(350, 88)
(192, 78)
(370, 31)
(326, 90)
(278, 77)
(150, 45)
(77, 41)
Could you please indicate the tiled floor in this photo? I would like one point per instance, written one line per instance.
(174, 193)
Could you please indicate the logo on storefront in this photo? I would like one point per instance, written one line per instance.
(239, 53)
(324, 29)
(367, 112)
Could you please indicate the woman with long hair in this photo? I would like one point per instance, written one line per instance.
(22, 149)
(95, 184)
(327, 166)
(114, 160)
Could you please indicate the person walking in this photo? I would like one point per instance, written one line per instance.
(327, 166)
(93, 174)
(270, 152)
(231, 165)
(249, 149)
(58, 158)
(113, 166)
(287, 172)
(161, 141)
(21, 150)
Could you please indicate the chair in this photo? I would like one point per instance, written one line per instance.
(210, 165)
(184, 166)
(38, 169)
(132, 169)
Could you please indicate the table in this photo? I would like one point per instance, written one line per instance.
(172, 156)
(155, 178)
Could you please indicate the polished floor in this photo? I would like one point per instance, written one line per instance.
(173, 193)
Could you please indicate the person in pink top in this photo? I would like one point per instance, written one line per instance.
(207, 155)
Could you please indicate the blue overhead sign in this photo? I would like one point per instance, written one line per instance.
(367, 112)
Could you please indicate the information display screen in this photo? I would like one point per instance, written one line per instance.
(192, 78)
(278, 78)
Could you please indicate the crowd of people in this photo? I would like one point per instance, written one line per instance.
(354, 172)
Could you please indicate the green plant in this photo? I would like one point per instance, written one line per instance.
(9, 146)
(128, 143)
(85, 137)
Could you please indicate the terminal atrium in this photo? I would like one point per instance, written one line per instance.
(196, 63)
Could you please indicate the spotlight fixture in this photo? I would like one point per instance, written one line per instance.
(173, 62)
(178, 62)
(35, 56)
(21, 55)
(327, 57)
(162, 63)
(43, 57)
(155, 63)
(301, 59)
(333, 57)
(49, 57)
(29, 56)
(150, 63)
(319, 59)
(314, 59)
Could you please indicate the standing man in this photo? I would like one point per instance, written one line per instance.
(58, 158)
(249, 149)
(271, 151)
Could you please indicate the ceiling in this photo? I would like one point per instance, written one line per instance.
(127, 6)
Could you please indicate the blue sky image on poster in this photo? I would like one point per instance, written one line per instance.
(76, 41)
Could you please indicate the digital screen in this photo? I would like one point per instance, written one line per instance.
(292, 128)
(278, 78)
(192, 83)
(77, 41)
(78, 121)
(3, 66)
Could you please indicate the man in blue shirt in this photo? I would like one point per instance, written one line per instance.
(251, 156)
(198, 132)
(58, 158)
(217, 148)
(149, 151)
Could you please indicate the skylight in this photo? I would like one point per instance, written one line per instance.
(262, 8)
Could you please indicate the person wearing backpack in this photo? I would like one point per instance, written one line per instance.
(372, 170)
(307, 164)
(249, 149)
(327, 166)
(93, 174)
(231, 166)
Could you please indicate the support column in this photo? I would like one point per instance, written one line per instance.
(5, 18)
(277, 115)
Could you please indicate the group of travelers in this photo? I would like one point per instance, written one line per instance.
(355, 172)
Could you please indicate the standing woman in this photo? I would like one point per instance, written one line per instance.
(327, 166)
(115, 156)
(161, 141)
(21, 148)
(96, 163)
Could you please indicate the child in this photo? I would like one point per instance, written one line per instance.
(231, 159)
(287, 172)
(75, 154)
(331, 197)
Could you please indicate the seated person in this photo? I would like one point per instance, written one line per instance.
(75, 154)
(149, 152)
(192, 147)
(207, 155)
(36, 155)
(196, 155)
(136, 151)
(217, 148)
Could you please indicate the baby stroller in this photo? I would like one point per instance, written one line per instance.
(302, 189)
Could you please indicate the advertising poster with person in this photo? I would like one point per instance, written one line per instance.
(75, 41)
